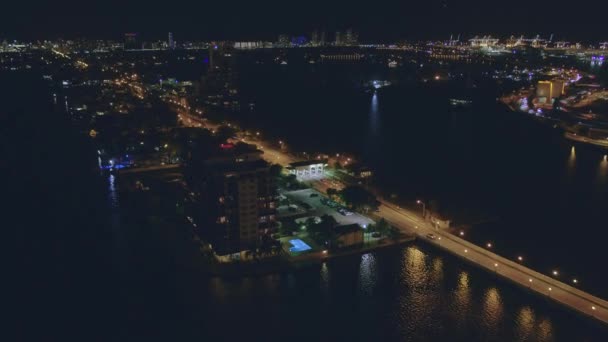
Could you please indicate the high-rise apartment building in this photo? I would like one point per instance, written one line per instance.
(131, 41)
(238, 200)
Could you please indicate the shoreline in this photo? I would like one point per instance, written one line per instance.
(285, 263)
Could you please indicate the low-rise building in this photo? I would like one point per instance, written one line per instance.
(308, 168)
(349, 235)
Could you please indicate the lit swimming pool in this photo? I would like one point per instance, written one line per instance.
(298, 246)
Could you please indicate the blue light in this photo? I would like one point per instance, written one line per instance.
(298, 246)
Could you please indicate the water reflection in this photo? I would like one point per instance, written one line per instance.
(113, 192)
(367, 273)
(437, 270)
(492, 308)
(524, 324)
(324, 278)
(415, 269)
(462, 295)
(374, 115)
(602, 171)
(571, 162)
(545, 330)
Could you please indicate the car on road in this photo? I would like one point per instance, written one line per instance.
(431, 236)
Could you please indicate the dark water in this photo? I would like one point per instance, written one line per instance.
(79, 273)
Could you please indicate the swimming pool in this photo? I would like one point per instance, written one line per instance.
(298, 246)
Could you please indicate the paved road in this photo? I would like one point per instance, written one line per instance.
(413, 223)
(597, 142)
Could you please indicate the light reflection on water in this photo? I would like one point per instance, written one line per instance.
(113, 191)
(374, 115)
(493, 308)
(407, 294)
(367, 273)
(524, 323)
(602, 171)
(571, 162)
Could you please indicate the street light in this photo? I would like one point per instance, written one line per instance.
(575, 281)
(555, 273)
(423, 208)
(489, 245)
(520, 258)
(461, 233)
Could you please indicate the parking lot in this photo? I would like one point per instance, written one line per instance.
(308, 202)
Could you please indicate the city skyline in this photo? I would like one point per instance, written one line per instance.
(384, 21)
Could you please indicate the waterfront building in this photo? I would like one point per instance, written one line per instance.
(546, 91)
(237, 197)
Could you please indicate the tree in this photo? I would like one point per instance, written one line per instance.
(332, 192)
(276, 170)
(288, 228)
(382, 227)
(323, 231)
(359, 198)
(224, 133)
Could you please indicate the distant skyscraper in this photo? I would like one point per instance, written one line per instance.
(339, 39)
(352, 38)
(314, 38)
(171, 41)
(284, 41)
(322, 39)
(131, 41)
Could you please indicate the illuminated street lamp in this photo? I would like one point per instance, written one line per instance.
(489, 245)
(555, 273)
(461, 233)
(423, 208)
(520, 258)
(575, 281)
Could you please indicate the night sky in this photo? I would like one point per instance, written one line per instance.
(377, 20)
